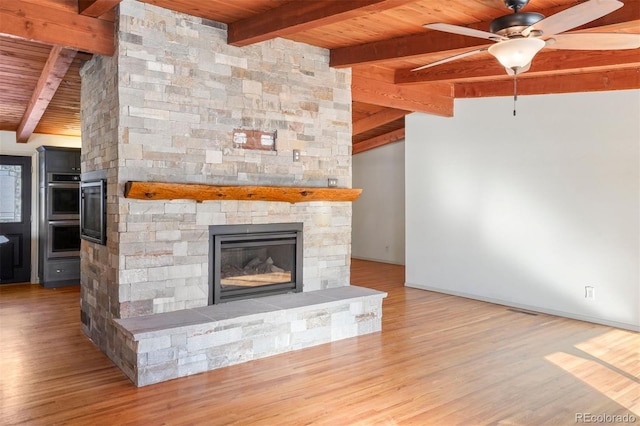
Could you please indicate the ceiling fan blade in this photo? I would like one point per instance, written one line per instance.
(456, 29)
(595, 41)
(574, 17)
(451, 58)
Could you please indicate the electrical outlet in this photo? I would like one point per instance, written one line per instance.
(296, 155)
(589, 292)
(332, 182)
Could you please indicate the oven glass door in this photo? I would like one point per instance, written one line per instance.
(64, 239)
(63, 201)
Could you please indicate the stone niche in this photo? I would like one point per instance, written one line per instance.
(164, 108)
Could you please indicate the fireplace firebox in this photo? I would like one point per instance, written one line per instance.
(247, 261)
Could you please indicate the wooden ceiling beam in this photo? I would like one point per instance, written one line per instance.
(625, 19)
(400, 48)
(96, 8)
(377, 141)
(544, 63)
(378, 119)
(431, 99)
(37, 22)
(621, 79)
(290, 19)
(55, 68)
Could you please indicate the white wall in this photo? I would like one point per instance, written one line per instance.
(9, 146)
(528, 210)
(378, 215)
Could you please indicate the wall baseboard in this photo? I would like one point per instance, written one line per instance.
(616, 324)
(392, 262)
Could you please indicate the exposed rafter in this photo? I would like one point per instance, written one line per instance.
(58, 63)
(623, 79)
(433, 99)
(96, 8)
(378, 119)
(378, 141)
(554, 62)
(400, 48)
(289, 19)
(38, 22)
(625, 19)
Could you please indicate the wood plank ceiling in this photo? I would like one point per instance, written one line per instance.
(381, 40)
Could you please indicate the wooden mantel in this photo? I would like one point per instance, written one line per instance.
(203, 192)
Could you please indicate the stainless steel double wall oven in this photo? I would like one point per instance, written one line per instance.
(63, 214)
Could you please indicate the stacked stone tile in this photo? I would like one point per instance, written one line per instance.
(176, 344)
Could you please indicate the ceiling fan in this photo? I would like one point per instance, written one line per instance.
(521, 35)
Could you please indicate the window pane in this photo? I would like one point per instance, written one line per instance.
(10, 194)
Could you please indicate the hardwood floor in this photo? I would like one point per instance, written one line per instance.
(439, 360)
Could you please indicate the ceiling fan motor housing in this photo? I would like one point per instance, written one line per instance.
(514, 24)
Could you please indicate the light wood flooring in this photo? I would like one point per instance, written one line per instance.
(439, 360)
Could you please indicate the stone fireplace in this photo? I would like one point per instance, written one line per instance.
(248, 261)
(165, 108)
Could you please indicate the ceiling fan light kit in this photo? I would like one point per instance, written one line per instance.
(516, 53)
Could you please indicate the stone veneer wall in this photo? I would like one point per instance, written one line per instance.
(99, 264)
(164, 109)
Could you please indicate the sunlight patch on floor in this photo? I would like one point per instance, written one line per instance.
(608, 366)
(613, 348)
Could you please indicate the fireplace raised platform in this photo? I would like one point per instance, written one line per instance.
(166, 346)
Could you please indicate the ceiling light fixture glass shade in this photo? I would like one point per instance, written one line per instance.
(516, 53)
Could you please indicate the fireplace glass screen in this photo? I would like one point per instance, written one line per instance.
(248, 264)
(255, 260)
(93, 211)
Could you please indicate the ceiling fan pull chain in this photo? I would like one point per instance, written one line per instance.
(515, 91)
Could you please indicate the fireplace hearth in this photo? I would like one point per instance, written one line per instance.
(248, 261)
